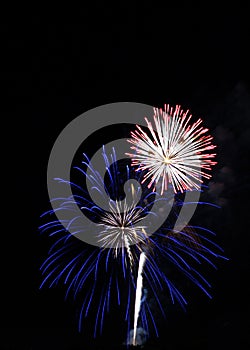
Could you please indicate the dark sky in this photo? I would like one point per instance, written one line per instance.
(59, 65)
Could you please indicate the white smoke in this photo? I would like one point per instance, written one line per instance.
(140, 337)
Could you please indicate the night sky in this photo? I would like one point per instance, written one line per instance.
(59, 64)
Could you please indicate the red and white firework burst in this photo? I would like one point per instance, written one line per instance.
(174, 152)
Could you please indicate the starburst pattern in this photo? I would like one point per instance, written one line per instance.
(175, 152)
(119, 228)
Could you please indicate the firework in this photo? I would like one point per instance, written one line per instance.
(175, 152)
(99, 276)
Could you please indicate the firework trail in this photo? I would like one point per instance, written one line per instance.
(176, 153)
(138, 293)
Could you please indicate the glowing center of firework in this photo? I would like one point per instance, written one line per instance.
(167, 160)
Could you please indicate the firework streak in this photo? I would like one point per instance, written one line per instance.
(138, 294)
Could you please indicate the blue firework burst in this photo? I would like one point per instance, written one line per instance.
(100, 277)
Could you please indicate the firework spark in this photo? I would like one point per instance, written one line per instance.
(175, 152)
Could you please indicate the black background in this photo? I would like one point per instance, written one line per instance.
(60, 64)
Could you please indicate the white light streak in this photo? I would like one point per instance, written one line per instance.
(138, 295)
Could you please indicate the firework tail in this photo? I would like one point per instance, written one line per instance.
(138, 293)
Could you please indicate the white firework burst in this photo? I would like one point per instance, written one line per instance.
(121, 228)
(176, 152)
